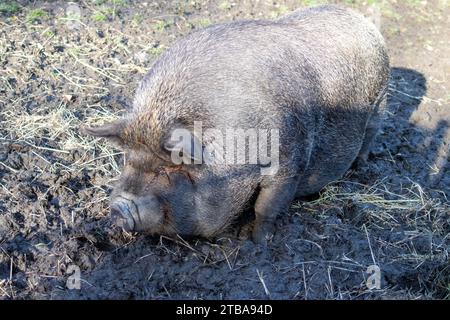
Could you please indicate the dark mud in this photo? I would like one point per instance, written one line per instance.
(393, 213)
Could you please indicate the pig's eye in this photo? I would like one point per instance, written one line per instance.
(184, 147)
(166, 210)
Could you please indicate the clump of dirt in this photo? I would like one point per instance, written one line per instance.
(65, 66)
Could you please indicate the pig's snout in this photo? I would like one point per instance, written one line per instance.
(124, 214)
(137, 213)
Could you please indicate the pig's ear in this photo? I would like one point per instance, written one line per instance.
(112, 131)
(184, 146)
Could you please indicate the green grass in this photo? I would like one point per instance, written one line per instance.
(35, 15)
(202, 22)
(309, 3)
(99, 16)
(156, 51)
(49, 34)
(414, 2)
(9, 7)
(137, 19)
(189, 25)
(224, 5)
(108, 9)
(74, 16)
(119, 3)
(281, 10)
(161, 25)
(365, 2)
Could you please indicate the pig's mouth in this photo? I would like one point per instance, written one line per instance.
(131, 215)
(125, 214)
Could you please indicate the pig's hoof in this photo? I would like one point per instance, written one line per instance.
(261, 236)
(122, 218)
(362, 161)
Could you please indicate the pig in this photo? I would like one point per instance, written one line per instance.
(316, 77)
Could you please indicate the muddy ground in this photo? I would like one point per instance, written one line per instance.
(66, 64)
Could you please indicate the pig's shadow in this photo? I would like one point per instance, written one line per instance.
(416, 152)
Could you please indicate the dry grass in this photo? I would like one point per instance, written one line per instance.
(381, 207)
(76, 75)
(59, 124)
(375, 209)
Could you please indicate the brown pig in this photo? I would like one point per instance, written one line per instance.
(309, 86)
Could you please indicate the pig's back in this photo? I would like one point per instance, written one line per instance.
(235, 73)
(313, 73)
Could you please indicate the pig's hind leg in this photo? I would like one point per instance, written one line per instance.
(372, 128)
(273, 198)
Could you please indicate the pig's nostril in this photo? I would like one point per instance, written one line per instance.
(122, 217)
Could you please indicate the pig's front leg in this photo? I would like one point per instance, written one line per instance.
(273, 198)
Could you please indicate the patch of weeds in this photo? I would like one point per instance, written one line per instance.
(309, 3)
(444, 5)
(9, 8)
(73, 16)
(414, 3)
(48, 34)
(122, 43)
(364, 2)
(225, 5)
(137, 19)
(391, 31)
(390, 13)
(423, 18)
(202, 22)
(381, 5)
(189, 25)
(99, 16)
(119, 3)
(161, 25)
(103, 14)
(180, 8)
(107, 10)
(116, 7)
(279, 11)
(156, 51)
(35, 15)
